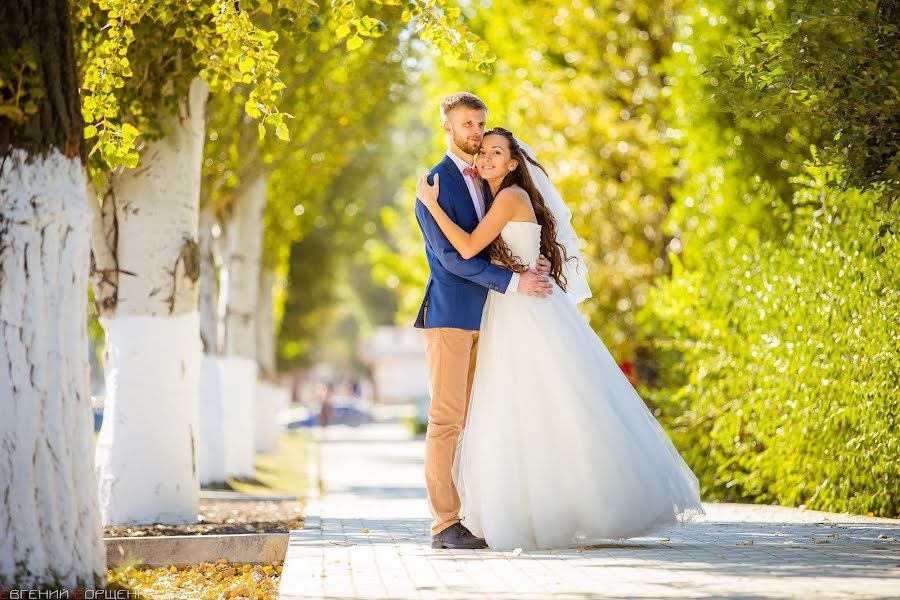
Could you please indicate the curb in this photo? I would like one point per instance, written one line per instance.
(183, 550)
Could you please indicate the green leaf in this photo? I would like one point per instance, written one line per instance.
(281, 131)
(354, 43)
(129, 133)
(89, 132)
(131, 160)
(343, 31)
(485, 67)
(246, 64)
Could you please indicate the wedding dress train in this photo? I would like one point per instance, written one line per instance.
(559, 450)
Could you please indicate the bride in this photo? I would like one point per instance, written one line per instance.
(558, 450)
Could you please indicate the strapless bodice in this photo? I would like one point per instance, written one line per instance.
(524, 241)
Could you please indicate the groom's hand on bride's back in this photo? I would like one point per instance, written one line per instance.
(543, 265)
(533, 283)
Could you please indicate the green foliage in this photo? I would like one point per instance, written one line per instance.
(775, 336)
(309, 298)
(782, 356)
(835, 66)
(166, 45)
(330, 298)
(20, 88)
(225, 43)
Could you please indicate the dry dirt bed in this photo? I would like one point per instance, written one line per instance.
(225, 517)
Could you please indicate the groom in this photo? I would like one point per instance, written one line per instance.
(451, 311)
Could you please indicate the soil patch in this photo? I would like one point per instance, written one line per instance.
(221, 517)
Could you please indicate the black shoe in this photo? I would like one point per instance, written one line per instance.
(457, 537)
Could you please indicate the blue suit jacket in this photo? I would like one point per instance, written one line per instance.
(457, 288)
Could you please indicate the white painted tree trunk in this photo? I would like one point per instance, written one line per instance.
(209, 285)
(147, 452)
(238, 375)
(269, 397)
(211, 446)
(265, 325)
(48, 497)
(240, 288)
(244, 254)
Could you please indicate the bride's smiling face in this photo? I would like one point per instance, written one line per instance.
(494, 158)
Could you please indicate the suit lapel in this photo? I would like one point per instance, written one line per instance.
(461, 196)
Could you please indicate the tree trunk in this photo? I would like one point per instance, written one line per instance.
(240, 287)
(265, 326)
(49, 518)
(243, 263)
(209, 285)
(269, 396)
(211, 447)
(147, 452)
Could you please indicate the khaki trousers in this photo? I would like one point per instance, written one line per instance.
(451, 357)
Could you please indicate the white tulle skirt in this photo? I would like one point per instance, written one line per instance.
(559, 450)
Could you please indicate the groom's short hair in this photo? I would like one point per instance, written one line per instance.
(461, 99)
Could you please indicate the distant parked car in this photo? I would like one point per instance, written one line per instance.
(348, 414)
(296, 418)
(340, 414)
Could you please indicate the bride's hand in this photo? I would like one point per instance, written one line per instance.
(428, 194)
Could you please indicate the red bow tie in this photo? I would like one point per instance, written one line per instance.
(473, 173)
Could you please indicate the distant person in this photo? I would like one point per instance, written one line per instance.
(326, 408)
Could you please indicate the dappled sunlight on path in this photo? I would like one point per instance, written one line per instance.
(370, 539)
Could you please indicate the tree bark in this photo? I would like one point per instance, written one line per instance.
(147, 451)
(49, 517)
(211, 454)
(243, 259)
(240, 288)
(265, 325)
(209, 285)
(270, 398)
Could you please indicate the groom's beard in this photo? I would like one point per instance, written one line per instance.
(467, 145)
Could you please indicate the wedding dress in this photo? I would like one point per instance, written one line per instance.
(558, 449)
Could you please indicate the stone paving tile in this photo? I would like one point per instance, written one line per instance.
(372, 541)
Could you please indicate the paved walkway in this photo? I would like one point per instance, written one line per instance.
(367, 537)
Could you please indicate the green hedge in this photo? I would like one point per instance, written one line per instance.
(781, 358)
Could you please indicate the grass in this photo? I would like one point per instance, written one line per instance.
(280, 472)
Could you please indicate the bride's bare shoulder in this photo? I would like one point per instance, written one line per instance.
(513, 194)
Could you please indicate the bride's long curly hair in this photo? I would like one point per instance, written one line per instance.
(555, 252)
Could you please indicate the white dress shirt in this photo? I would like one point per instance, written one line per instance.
(476, 193)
